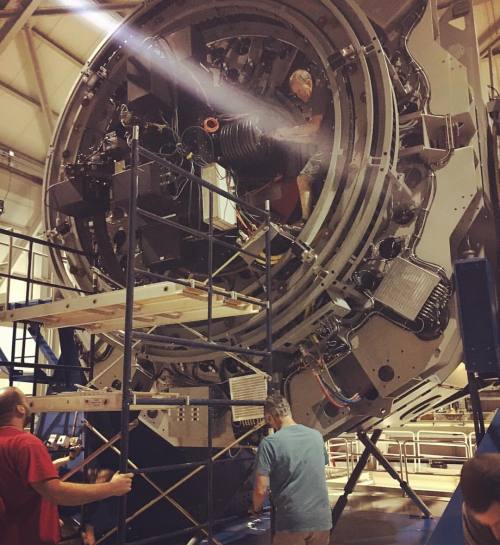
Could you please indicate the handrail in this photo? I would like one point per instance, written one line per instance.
(406, 459)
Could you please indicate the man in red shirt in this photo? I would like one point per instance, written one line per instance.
(30, 488)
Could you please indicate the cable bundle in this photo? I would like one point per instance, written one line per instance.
(333, 394)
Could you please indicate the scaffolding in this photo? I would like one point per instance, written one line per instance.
(18, 361)
(128, 400)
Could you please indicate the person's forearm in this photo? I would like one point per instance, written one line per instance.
(301, 139)
(60, 462)
(70, 494)
(300, 131)
(258, 499)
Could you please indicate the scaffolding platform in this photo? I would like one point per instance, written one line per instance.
(111, 401)
(86, 401)
(156, 304)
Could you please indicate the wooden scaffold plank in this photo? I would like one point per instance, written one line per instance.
(154, 304)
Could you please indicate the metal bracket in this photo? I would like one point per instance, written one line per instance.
(343, 57)
(369, 49)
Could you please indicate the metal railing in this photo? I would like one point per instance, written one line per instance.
(409, 454)
(29, 278)
(21, 361)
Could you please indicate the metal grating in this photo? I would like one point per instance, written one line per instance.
(248, 387)
(403, 279)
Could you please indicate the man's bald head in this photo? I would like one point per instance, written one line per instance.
(301, 84)
(13, 404)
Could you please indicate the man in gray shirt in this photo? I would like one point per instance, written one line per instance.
(291, 465)
(480, 484)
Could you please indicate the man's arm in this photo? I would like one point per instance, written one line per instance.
(260, 492)
(266, 457)
(70, 494)
(301, 133)
(60, 462)
(65, 460)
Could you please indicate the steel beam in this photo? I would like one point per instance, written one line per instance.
(42, 92)
(489, 34)
(23, 96)
(98, 401)
(81, 401)
(68, 9)
(352, 481)
(11, 28)
(93, 401)
(21, 155)
(58, 47)
(21, 173)
(485, 50)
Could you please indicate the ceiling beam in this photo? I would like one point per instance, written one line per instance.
(58, 47)
(21, 173)
(23, 96)
(13, 25)
(490, 32)
(21, 155)
(485, 50)
(40, 84)
(64, 10)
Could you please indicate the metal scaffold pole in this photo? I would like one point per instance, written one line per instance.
(210, 473)
(127, 348)
(269, 330)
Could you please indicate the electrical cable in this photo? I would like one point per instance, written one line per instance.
(336, 392)
(327, 393)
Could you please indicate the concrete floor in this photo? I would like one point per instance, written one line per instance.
(388, 520)
(370, 519)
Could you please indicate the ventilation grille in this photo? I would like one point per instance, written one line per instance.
(406, 288)
(248, 387)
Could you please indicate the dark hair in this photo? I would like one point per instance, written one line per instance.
(480, 482)
(9, 399)
(277, 406)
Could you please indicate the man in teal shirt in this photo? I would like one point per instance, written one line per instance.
(291, 465)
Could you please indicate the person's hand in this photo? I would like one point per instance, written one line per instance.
(88, 538)
(121, 483)
(74, 452)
